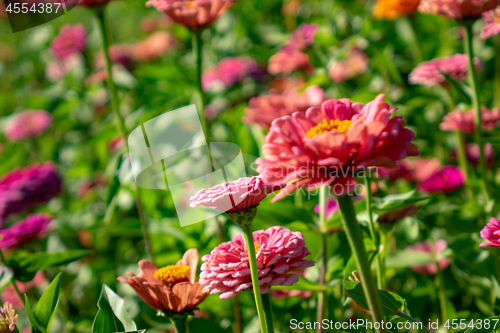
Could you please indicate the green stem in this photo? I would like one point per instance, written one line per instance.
(252, 261)
(417, 50)
(374, 233)
(322, 295)
(355, 238)
(266, 300)
(180, 324)
(462, 160)
(198, 53)
(440, 281)
(119, 119)
(13, 281)
(410, 318)
(475, 101)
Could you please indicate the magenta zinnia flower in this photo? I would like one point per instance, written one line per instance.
(264, 109)
(492, 20)
(457, 9)
(330, 143)
(27, 125)
(445, 180)
(303, 36)
(240, 195)
(430, 73)
(23, 189)
(430, 269)
(491, 232)
(465, 121)
(287, 60)
(71, 39)
(280, 256)
(24, 231)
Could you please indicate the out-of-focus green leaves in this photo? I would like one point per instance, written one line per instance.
(112, 316)
(391, 303)
(42, 314)
(282, 213)
(302, 284)
(395, 201)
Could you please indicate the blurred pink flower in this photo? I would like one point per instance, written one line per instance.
(457, 9)
(280, 257)
(193, 14)
(491, 233)
(303, 36)
(412, 170)
(71, 39)
(430, 73)
(35, 226)
(472, 153)
(122, 54)
(264, 109)
(331, 208)
(24, 189)
(287, 60)
(355, 63)
(492, 20)
(445, 180)
(9, 295)
(239, 195)
(229, 71)
(329, 144)
(430, 269)
(153, 47)
(57, 69)
(27, 125)
(464, 121)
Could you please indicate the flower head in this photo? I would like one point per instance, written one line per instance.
(412, 170)
(287, 60)
(24, 231)
(229, 71)
(430, 73)
(445, 180)
(71, 40)
(464, 121)
(303, 36)
(457, 9)
(355, 63)
(439, 247)
(264, 109)
(27, 124)
(280, 256)
(8, 318)
(170, 289)
(392, 9)
(492, 20)
(23, 189)
(330, 143)
(491, 232)
(153, 47)
(192, 13)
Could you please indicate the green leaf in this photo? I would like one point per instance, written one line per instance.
(395, 201)
(407, 258)
(31, 318)
(5, 277)
(114, 185)
(46, 306)
(283, 212)
(391, 303)
(112, 316)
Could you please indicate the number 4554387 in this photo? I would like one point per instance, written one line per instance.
(35, 8)
(478, 323)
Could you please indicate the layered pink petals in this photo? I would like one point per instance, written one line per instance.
(280, 257)
(446, 180)
(457, 9)
(27, 125)
(373, 139)
(491, 233)
(430, 269)
(464, 121)
(492, 20)
(239, 195)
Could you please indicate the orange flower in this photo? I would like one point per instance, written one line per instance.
(171, 288)
(392, 9)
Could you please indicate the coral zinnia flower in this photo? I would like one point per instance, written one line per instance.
(71, 39)
(492, 20)
(457, 9)
(33, 227)
(170, 289)
(412, 170)
(192, 13)
(445, 180)
(392, 9)
(287, 60)
(491, 232)
(429, 73)
(280, 257)
(464, 121)
(27, 125)
(330, 143)
(8, 318)
(430, 269)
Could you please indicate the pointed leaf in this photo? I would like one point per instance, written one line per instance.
(391, 303)
(112, 316)
(31, 318)
(46, 306)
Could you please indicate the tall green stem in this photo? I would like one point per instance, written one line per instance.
(180, 324)
(266, 300)
(475, 101)
(101, 19)
(374, 234)
(198, 53)
(322, 295)
(441, 287)
(355, 238)
(252, 261)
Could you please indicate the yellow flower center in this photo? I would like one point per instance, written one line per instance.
(173, 274)
(329, 126)
(257, 247)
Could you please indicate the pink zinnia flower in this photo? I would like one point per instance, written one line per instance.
(71, 39)
(472, 153)
(280, 256)
(154, 46)
(229, 71)
(303, 36)
(457, 9)
(35, 226)
(412, 170)
(491, 232)
(239, 195)
(192, 13)
(430, 269)
(27, 125)
(330, 143)
(492, 20)
(23, 189)
(287, 60)
(355, 63)
(172, 289)
(465, 121)
(445, 180)
(264, 109)
(331, 208)
(430, 73)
